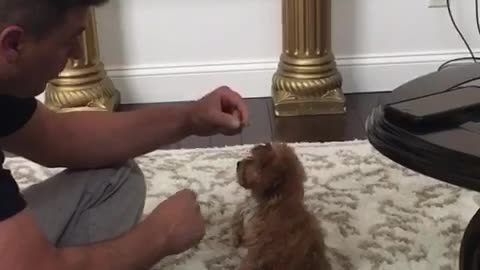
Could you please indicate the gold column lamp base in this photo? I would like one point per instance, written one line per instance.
(307, 81)
(83, 85)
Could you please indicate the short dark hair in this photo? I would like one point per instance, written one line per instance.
(38, 17)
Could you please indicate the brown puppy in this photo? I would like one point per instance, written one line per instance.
(273, 223)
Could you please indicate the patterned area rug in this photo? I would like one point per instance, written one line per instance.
(377, 214)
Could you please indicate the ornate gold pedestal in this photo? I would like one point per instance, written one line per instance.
(83, 84)
(307, 81)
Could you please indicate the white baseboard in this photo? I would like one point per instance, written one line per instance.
(190, 82)
(366, 73)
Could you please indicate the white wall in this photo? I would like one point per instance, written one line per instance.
(179, 49)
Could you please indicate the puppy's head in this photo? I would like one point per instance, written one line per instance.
(271, 169)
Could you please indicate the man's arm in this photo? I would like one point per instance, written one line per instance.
(98, 139)
(95, 139)
(23, 247)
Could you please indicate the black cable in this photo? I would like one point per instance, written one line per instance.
(472, 55)
(458, 30)
(445, 64)
(477, 17)
(465, 86)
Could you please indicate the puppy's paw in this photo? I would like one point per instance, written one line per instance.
(237, 228)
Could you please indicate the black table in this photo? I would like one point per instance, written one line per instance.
(447, 148)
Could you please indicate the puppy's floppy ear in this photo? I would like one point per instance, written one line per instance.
(264, 153)
(261, 147)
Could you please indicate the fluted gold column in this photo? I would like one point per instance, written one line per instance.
(307, 81)
(83, 84)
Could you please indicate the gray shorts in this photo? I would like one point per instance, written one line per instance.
(83, 207)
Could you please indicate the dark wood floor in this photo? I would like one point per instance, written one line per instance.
(264, 126)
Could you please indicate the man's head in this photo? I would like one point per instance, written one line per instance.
(37, 37)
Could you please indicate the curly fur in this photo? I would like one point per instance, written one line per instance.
(273, 223)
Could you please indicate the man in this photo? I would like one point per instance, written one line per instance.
(87, 217)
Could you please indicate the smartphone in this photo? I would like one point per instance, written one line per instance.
(437, 108)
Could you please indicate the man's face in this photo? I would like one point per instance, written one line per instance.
(27, 64)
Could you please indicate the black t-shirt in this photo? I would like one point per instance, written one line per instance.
(14, 114)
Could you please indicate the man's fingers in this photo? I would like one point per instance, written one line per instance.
(233, 100)
(230, 132)
(226, 121)
(241, 107)
(237, 114)
(189, 192)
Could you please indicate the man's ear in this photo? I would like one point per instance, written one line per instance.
(11, 39)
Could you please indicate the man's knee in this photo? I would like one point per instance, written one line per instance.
(125, 182)
(132, 180)
(137, 180)
(126, 190)
(108, 201)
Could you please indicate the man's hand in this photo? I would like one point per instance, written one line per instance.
(180, 220)
(222, 111)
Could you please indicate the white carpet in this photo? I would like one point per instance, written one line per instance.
(377, 214)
